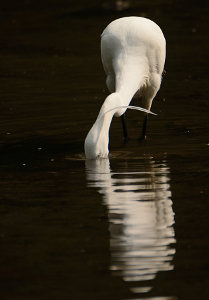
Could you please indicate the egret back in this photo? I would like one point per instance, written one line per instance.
(132, 42)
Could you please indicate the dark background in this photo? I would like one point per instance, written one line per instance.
(53, 229)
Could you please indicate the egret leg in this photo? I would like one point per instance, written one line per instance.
(144, 128)
(125, 132)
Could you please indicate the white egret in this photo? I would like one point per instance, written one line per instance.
(133, 56)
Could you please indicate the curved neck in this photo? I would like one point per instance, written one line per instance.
(112, 101)
(97, 140)
(102, 125)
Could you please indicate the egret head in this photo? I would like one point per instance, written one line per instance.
(97, 140)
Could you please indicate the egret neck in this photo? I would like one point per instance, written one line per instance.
(97, 140)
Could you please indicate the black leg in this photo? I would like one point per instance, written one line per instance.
(144, 128)
(125, 133)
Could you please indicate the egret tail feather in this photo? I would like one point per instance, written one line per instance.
(132, 107)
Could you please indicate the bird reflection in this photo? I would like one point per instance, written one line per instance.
(140, 218)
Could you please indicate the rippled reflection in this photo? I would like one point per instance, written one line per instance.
(140, 219)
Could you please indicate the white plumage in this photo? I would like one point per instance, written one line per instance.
(133, 56)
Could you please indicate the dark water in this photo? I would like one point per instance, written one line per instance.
(131, 227)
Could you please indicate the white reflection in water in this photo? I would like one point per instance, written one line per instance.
(141, 219)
